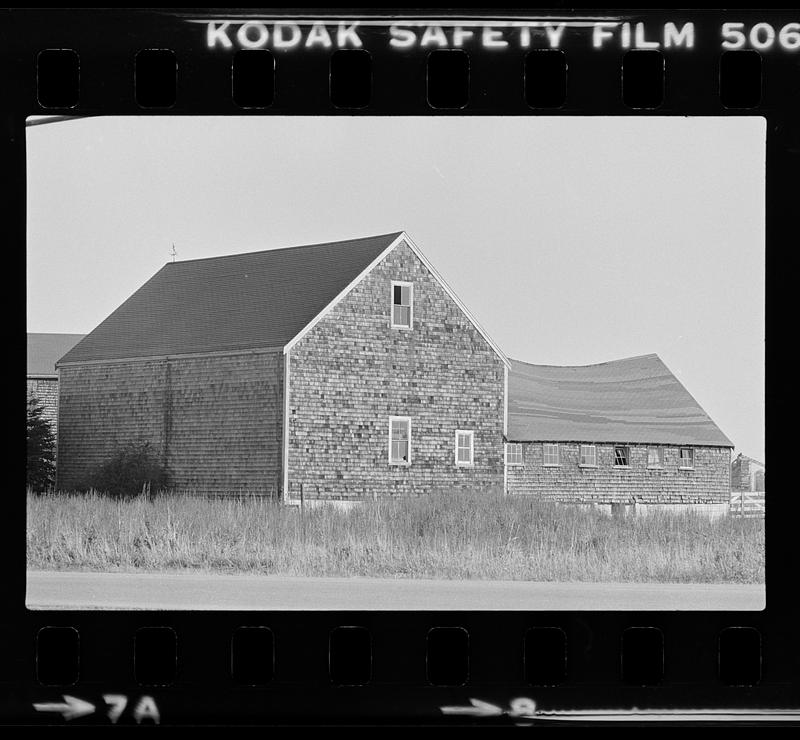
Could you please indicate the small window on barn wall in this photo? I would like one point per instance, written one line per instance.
(400, 440)
(687, 458)
(622, 456)
(514, 454)
(655, 457)
(464, 447)
(588, 456)
(550, 454)
(402, 305)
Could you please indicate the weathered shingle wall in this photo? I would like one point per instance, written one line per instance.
(746, 474)
(740, 474)
(352, 372)
(707, 483)
(214, 420)
(46, 391)
(102, 407)
(225, 429)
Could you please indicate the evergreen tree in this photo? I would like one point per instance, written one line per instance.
(41, 448)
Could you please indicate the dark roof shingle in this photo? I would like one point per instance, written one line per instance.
(238, 302)
(631, 400)
(44, 351)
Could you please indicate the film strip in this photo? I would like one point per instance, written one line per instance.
(526, 665)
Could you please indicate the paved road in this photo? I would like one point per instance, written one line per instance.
(185, 591)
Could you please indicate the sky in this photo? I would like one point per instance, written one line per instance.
(572, 240)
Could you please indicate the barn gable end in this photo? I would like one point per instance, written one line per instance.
(351, 372)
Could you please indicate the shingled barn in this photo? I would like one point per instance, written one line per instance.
(347, 370)
(332, 371)
(621, 432)
(44, 351)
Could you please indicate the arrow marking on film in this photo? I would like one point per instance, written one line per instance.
(70, 709)
(478, 709)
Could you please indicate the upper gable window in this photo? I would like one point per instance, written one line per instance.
(402, 305)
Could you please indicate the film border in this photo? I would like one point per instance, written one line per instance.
(202, 693)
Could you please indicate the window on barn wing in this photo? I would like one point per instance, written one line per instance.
(687, 458)
(400, 440)
(514, 454)
(550, 454)
(402, 305)
(655, 457)
(588, 456)
(621, 457)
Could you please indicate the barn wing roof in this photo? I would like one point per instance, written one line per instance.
(632, 400)
(238, 302)
(45, 349)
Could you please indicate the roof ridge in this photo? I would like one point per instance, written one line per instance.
(221, 306)
(591, 364)
(393, 234)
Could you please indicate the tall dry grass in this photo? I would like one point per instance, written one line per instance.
(438, 536)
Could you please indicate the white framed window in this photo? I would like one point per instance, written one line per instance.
(465, 441)
(655, 457)
(402, 305)
(400, 440)
(550, 453)
(588, 456)
(622, 456)
(514, 454)
(687, 458)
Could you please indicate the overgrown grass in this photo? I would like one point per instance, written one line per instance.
(452, 536)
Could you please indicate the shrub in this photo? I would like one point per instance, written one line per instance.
(133, 469)
(41, 444)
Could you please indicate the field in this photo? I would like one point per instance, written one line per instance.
(456, 536)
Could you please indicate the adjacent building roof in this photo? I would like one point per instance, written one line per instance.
(740, 456)
(44, 350)
(635, 400)
(238, 302)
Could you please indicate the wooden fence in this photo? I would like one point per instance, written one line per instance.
(748, 503)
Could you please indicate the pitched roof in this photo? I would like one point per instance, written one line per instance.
(632, 400)
(750, 459)
(242, 301)
(45, 349)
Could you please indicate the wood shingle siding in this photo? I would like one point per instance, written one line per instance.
(707, 483)
(44, 350)
(45, 390)
(353, 371)
(215, 421)
(196, 361)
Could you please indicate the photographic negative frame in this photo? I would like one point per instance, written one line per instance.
(436, 666)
